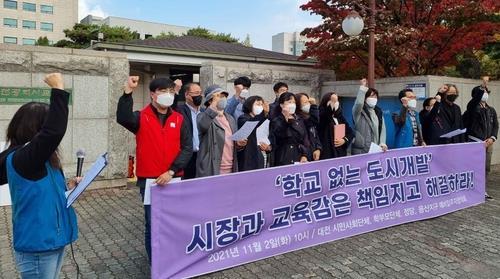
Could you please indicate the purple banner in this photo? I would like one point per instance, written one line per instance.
(209, 224)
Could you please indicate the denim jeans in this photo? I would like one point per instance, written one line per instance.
(147, 226)
(40, 265)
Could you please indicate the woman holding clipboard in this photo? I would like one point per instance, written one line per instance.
(334, 131)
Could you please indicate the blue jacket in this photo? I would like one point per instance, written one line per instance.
(404, 131)
(41, 221)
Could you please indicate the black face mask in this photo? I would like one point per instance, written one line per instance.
(451, 98)
(197, 100)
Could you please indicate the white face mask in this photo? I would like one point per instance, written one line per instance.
(306, 108)
(256, 110)
(165, 99)
(485, 96)
(291, 108)
(245, 93)
(371, 102)
(221, 104)
(412, 104)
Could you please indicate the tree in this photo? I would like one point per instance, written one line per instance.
(164, 35)
(205, 33)
(42, 41)
(413, 37)
(82, 35)
(247, 42)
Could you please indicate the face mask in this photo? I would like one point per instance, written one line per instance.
(306, 108)
(221, 104)
(291, 108)
(165, 99)
(412, 104)
(485, 96)
(256, 110)
(197, 100)
(371, 102)
(245, 93)
(451, 98)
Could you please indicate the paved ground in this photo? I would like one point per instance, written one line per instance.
(464, 244)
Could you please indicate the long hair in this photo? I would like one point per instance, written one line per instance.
(26, 123)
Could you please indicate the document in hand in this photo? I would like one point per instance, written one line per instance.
(375, 148)
(93, 172)
(454, 133)
(151, 183)
(263, 133)
(244, 131)
(338, 131)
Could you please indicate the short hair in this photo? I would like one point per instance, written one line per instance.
(370, 91)
(248, 104)
(245, 81)
(278, 85)
(427, 101)
(161, 83)
(402, 93)
(188, 86)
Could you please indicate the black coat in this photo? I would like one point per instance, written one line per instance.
(311, 121)
(250, 157)
(442, 119)
(289, 140)
(480, 120)
(325, 128)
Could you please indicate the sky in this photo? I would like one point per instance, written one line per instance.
(261, 19)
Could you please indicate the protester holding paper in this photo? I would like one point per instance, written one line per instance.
(163, 138)
(309, 112)
(42, 224)
(254, 155)
(481, 121)
(217, 154)
(445, 117)
(369, 123)
(407, 122)
(289, 133)
(334, 131)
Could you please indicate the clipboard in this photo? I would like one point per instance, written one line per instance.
(92, 173)
(338, 132)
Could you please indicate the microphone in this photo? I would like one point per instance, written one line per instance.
(80, 156)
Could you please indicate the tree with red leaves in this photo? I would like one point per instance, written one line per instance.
(418, 37)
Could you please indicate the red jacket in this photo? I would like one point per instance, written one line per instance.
(157, 147)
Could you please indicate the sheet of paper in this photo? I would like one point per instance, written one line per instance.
(263, 133)
(87, 179)
(454, 133)
(375, 148)
(475, 139)
(244, 131)
(4, 189)
(339, 131)
(151, 183)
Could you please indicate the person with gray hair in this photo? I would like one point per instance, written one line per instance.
(217, 153)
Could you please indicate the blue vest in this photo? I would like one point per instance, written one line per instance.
(404, 134)
(41, 221)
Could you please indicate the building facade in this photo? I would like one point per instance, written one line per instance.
(289, 43)
(145, 29)
(23, 22)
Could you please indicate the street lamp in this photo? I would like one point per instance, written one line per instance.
(353, 24)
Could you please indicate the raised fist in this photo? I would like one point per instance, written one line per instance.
(312, 101)
(131, 84)
(443, 88)
(54, 80)
(178, 85)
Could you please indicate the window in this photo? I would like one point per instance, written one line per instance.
(29, 42)
(30, 7)
(10, 40)
(10, 22)
(28, 24)
(9, 4)
(46, 26)
(46, 9)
